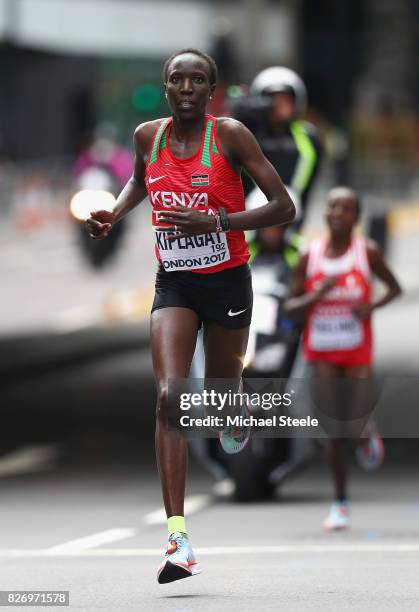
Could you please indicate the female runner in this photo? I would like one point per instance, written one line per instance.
(189, 165)
(331, 290)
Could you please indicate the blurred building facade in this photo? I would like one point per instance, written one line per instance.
(66, 65)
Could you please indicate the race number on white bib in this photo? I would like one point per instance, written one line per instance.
(192, 252)
(338, 332)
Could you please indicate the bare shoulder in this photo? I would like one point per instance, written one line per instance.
(144, 134)
(235, 137)
(229, 127)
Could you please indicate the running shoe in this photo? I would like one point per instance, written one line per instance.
(338, 517)
(234, 439)
(370, 455)
(179, 560)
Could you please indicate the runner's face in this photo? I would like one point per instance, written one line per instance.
(188, 87)
(341, 215)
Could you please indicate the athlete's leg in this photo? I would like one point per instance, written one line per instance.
(173, 339)
(338, 516)
(224, 350)
(370, 447)
(359, 393)
(335, 447)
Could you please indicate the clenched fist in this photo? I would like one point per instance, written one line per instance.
(100, 223)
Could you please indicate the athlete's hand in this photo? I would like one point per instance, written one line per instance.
(362, 310)
(186, 222)
(325, 286)
(100, 223)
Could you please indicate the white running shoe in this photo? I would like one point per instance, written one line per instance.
(179, 560)
(234, 439)
(370, 455)
(338, 517)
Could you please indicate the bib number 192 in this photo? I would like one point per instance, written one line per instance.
(218, 247)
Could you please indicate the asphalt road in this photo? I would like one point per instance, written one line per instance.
(97, 533)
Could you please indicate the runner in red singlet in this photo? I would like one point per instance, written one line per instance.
(332, 290)
(190, 166)
(202, 182)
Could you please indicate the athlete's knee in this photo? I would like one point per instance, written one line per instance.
(162, 400)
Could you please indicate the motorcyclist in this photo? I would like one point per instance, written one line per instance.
(273, 111)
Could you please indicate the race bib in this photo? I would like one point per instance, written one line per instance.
(191, 252)
(338, 332)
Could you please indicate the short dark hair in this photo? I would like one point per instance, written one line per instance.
(212, 66)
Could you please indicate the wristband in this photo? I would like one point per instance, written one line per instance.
(224, 220)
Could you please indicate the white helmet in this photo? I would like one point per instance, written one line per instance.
(279, 79)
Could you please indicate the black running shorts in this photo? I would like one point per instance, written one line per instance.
(225, 297)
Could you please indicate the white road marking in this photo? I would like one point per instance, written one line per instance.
(224, 550)
(81, 545)
(193, 504)
(28, 459)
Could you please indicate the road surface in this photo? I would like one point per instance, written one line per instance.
(98, 533)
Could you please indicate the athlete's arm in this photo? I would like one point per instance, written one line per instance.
(242, 149)
(298, 302)
(101, 222)
(379, 268)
